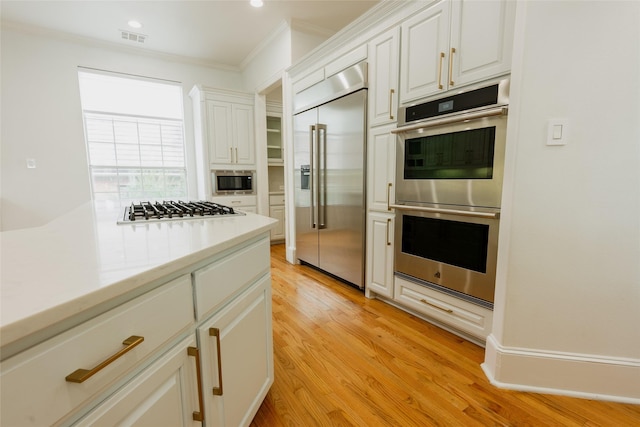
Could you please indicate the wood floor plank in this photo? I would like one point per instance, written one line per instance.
(344, 360)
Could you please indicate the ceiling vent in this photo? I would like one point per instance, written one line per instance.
(134, 37)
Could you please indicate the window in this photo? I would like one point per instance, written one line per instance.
(135, 138)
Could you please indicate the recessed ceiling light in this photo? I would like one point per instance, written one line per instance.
(134, 24)
(256, 3)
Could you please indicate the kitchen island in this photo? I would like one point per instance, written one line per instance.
(190, 298)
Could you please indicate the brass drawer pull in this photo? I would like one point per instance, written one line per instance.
(81, 375)
(215, 332)
(451, 82)
(440, 70)
(391, 92)
(197, 415)
(447, 310)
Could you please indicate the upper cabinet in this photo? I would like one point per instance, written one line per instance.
(224, 128)
(384, 60)
(453, 43)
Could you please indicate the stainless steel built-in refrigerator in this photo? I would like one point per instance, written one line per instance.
(329, 167)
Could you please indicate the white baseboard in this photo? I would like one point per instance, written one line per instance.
(575, 375)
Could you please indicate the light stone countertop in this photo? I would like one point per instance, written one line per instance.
(52, 273)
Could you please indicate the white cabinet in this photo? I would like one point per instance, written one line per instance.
(453, 43)
(166, 393)
(445, 310)
(384, 60)
(244, 203)
(233, 306)
(237, 357)
(380, 254)
(381, 168)
(140, 362)
(380, 217)
(277, 211)
(229, 130)
(68, 368)
(224, 128)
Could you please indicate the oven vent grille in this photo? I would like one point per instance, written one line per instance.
(134, 37)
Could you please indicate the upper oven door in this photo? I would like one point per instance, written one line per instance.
(456, 160)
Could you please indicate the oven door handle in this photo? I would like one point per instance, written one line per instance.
(458, 118)
(489, 215)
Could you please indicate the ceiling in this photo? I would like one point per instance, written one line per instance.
(212, 32)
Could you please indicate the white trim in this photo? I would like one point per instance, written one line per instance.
(608, 378)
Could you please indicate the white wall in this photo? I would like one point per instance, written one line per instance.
(567, 314)
(268, 63)
(41, 118)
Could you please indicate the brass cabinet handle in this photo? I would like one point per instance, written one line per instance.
(446, 310)
(197, 415)
(236, 154)
(440, 70)
(391, 92)
(231, 153)
(81, 375)
(388, 227)
(215, 332)
(453, 50)
(389, 185)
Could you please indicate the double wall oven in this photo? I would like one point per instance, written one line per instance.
(449, 174)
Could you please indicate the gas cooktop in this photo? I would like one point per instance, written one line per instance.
(173, 210)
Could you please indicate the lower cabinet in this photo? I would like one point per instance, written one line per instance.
(158, 359)
(277, 212)
(237, 357)
(244, 203)
(448, 311)
(380, 254)
(165, 394)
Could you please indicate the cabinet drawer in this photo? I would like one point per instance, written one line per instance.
(459, 314)
(235, 201)
(34, 389)
(276, 199)
(216, 283)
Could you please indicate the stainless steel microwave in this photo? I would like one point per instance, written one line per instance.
(227, 182)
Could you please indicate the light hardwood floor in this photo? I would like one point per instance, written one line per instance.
(344, 360)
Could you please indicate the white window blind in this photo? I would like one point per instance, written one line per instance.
(135, 138)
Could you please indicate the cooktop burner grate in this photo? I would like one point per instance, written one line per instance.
(173, 210)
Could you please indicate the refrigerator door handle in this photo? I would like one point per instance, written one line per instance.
(312, 133)
(322, 178)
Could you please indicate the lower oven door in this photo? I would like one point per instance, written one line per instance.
(453, 250)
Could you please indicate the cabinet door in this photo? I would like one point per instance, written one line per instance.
(165, 394)
(481, 40)
(381, 168)
(277, 212)
(244, 141)
(237, 357)
(384, 60)
(380, 254)
(220, 131)
(425, 43)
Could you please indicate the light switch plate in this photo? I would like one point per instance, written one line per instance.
(557, 132)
